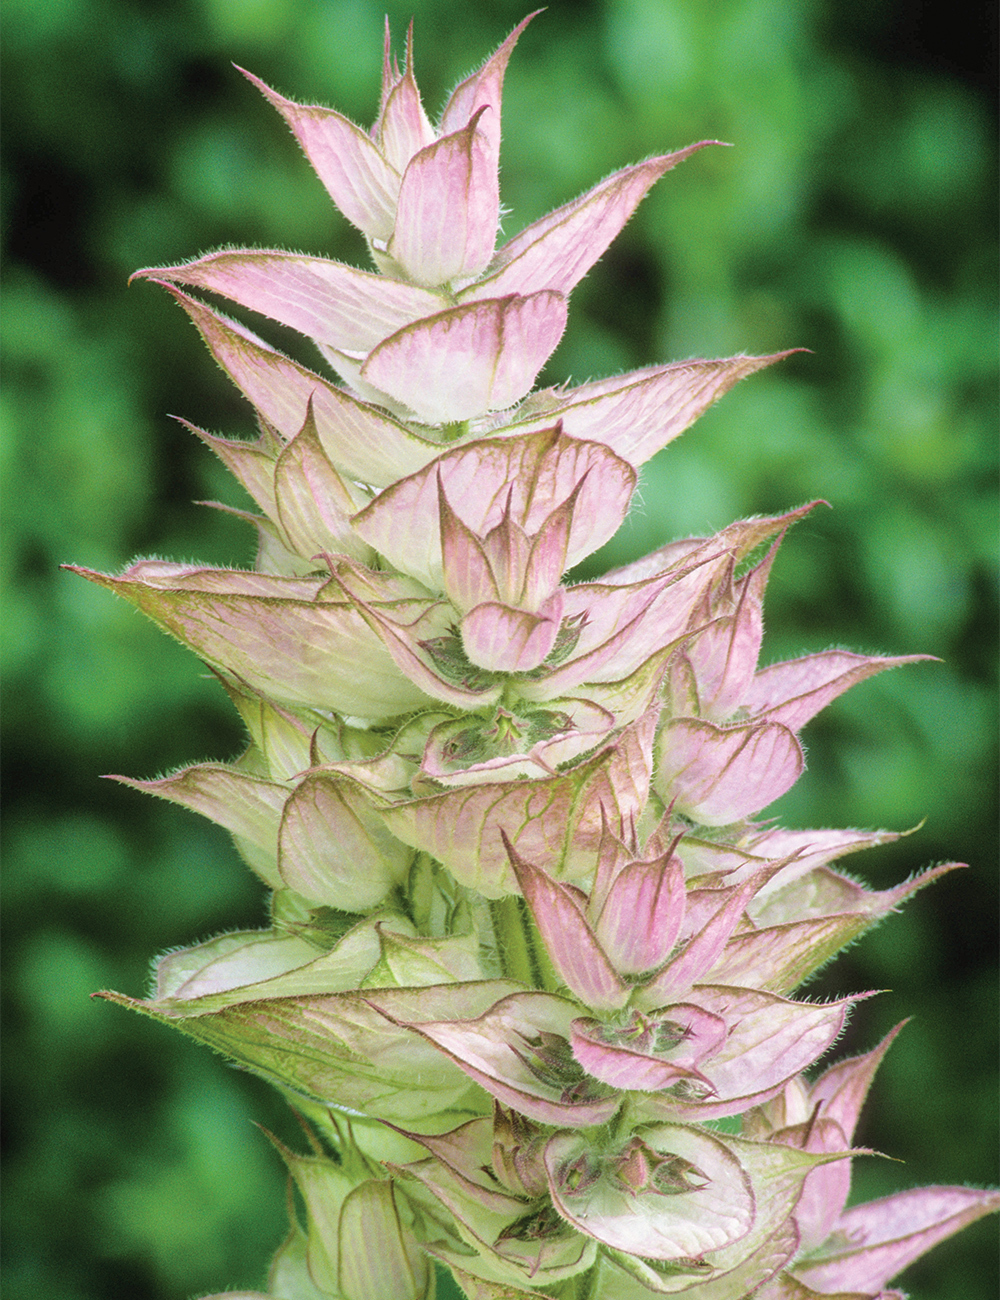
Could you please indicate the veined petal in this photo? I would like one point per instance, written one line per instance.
(301, 651)
(723, 657)
(557, 251)
(712, 1205)
(795, 691)
(616, 630)
(801, 852)
(556, 820)
(360, 441)
(448, 208)
(641, 917)
(725, 907)
(249, 807)
(770, 1040)
(313, 505)
(633, 1059)
(334, 849)
(871, 1243)
(778, 958)
(735, 542)
(519, 1052)
(571, 944)
(482, 356)
(337, 1046)
(327, 301)
(484, 86)
(487, 480)
(356, 175)
(466, 571)
(639, 413)
(719, 775)
(402, 128)
(507, 640)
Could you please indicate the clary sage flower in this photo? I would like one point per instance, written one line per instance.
(531, 968)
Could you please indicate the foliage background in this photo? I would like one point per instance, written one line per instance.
(854, 218)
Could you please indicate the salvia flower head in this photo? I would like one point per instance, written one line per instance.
(531, 961)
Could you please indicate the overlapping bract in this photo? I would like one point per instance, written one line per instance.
(523, 926)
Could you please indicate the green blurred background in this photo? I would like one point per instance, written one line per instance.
(854, 217)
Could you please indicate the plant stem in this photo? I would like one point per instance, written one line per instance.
(512, 933)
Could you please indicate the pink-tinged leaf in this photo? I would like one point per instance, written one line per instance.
(274, 635)
(557, 251)
(492, 480)
(556, 820)
(633, 695)
(547, 559)
(468, 1152)
(843, 1087)
(423, 642)
(770, 1040)
(482, 356)
(339, 1046)
(639, 413)
(483, 87)
(549, 818)
(641, 917)
(247, 806)
(615, 631)
(871, 1243)
(327, 301)
(776, 1175)
(740, 1281)
(391, 1264)
(402, 128)
(335, 850)
(719, 775)
(801, 852)
(795, 691)
(823, 892)
(571, 945)
(736, 542)
(826, 1190)
(698, 1198)
(649, 1053)
(724, 909)
(313, 504)
(356, 176)
(360, 441)
(228, 962)
(466, 572)
(514, 1243)
(519, 1052)
(448, 209)
(505, 640)
(778, 958)
(252, 463)
(724, 656)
